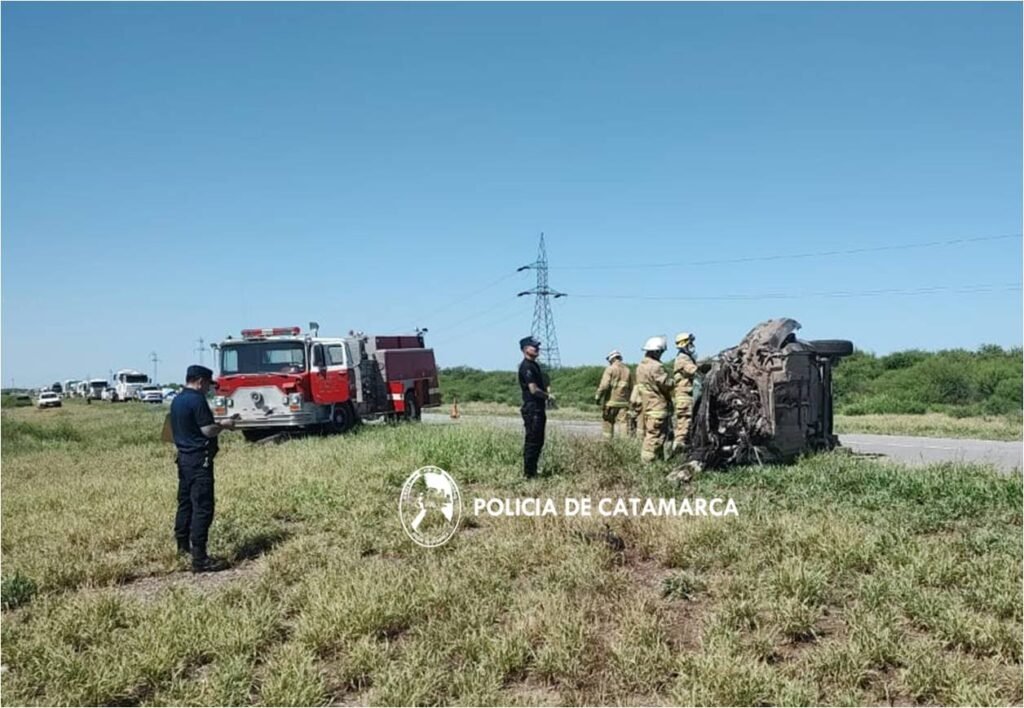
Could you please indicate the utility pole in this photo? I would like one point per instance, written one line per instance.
(543, 319)
(201, 349)
(153, 358)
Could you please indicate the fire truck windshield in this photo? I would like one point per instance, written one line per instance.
(263, 358)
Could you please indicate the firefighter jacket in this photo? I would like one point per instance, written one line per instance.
(683, 371)
(616, 386)
(655, 388)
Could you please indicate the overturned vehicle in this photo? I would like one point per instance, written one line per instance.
(769, 399)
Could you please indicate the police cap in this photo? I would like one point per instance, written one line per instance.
(530, 341)
(196, 372)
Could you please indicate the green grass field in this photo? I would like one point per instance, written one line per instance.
(842, 581)
(933, 425)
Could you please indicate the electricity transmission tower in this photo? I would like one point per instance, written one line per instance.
(543, 321)
(153, 358)
(201, 349)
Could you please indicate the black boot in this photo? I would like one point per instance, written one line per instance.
(202, 563)
(184, 549)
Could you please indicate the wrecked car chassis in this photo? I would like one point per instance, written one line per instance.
(768, 399)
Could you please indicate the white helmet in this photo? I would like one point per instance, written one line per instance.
(613, 354)
(656, 344)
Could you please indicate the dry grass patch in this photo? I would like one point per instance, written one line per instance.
(841, 581)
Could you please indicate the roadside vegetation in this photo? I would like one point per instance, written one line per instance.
(10, 400)
(842, 580)
(953, 393)
(933, 425)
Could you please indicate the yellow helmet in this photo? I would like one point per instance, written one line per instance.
(684, 339)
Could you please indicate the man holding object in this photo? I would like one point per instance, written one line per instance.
(535, 402)
(195, 436)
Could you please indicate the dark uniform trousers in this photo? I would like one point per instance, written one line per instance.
(195, 500)
(535, 419)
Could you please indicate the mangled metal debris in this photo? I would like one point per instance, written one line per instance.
(769, 399)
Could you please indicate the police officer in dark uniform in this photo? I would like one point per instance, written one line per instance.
(534, 386)
(195, 435)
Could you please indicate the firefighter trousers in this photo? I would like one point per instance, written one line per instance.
(609, 417)
(655, 435)
(684, 412)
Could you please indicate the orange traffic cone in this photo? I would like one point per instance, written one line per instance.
(455, 407)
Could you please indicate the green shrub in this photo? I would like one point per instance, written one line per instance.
(16, 590)
(903, 360)
(883, 403)
(958, 382)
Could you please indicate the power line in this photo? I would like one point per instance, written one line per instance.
(467, 296)
(473, 316)
(506, 315)
(932, 290)
(796, 256)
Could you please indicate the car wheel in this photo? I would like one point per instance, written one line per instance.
(832, 347)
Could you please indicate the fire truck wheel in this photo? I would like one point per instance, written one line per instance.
(412, 411)
(343, 418)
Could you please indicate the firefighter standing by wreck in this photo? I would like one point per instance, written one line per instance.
(613, 393)
(684, 369)
(655, 388)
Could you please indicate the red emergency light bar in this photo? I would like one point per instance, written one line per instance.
(270, 332)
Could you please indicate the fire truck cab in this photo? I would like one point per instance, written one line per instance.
(278, 379)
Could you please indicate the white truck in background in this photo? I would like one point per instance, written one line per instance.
(70, 388)
(127, 384)
(95, 389)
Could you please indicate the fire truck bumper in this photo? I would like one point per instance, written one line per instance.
(273, 420)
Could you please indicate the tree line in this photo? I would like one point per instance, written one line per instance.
(959, 382)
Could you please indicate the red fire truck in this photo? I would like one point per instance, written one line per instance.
(278, 380)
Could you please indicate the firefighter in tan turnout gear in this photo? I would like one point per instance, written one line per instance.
(634, 413)
(683, 371)
(655, 388)
(613, 393)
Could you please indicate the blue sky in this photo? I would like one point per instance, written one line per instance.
(172, 171)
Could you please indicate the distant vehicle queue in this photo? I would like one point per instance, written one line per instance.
(127, 385)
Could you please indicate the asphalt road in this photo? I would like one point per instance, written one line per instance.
(1004, 456)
